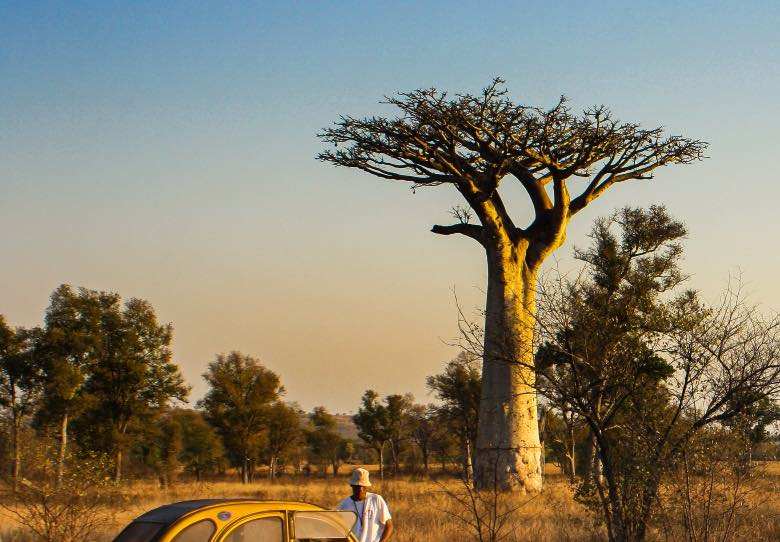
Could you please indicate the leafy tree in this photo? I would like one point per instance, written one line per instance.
(201, 447)
(67, 348)
(399, 425)
(284, 434)
(161, 448)
(425, 430)
(751, 425)
(132, 379)
(432, 433)
(241, 393)
(459, 389)
(472, 143)
(646, 372)
(19, 386)
(373, 423)
(325, 443)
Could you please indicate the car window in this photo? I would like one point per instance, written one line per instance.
(139, 531)
(323, 525)
(268, 529)
(200, 531)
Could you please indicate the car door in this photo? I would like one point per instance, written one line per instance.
(322, 526)
(265, 527)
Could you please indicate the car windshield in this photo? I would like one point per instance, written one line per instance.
(323, 525)
(140, 531)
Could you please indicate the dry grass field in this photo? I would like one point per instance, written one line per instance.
(423, 509)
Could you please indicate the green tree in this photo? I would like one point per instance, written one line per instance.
(285, 434)
(751, 425)
(67, 348)
(647, 372)
(201, 447)
(426, 429)
(399, 425)
(459, 390)
(241, 392)
(19, 386)
(132, 379)
(373, 423)
(472, 143)
(161, 448)
(325, 443)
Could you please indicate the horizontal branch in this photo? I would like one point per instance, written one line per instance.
(469, 230)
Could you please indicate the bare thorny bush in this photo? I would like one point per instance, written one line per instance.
(73, 508)
(712, 494)
(487, 515)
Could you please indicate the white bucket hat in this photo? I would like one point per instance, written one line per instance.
(360, 478)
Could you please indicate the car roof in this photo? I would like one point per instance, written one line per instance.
(170, 513)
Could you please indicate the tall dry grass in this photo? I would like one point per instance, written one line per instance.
(422, 509)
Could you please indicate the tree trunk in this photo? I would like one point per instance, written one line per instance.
(245, 470)
(468, 467)
(17, 452)
(119, 443)
(508, 451)
(394, 458)
(63, 449)
(590, 466)
(426, 460)
(571, 453)
(118, 465)
(382, 462)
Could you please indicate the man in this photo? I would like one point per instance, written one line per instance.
(374, 523)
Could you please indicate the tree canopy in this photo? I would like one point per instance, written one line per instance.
(473, 142)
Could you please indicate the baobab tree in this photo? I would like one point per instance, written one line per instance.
(472, 143)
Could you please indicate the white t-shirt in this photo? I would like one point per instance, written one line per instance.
(372, 514)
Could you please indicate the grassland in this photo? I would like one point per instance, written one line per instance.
(423, 509)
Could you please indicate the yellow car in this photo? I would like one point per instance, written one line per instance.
(240, 520)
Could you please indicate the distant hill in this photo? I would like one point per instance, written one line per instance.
(344, 425)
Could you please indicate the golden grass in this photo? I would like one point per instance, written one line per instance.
(420, 507)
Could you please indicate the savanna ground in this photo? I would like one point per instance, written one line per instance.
(424, 509)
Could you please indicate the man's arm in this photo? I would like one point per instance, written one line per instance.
(388, 531)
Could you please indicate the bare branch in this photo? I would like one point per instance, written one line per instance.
(469, 230)
(473, 141)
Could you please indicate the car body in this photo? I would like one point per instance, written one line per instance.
(240, 520)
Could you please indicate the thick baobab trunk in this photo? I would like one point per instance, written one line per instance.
(508, 452)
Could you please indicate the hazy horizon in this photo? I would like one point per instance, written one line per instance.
(167, 153)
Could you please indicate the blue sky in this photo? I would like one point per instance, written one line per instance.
(165, 150)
